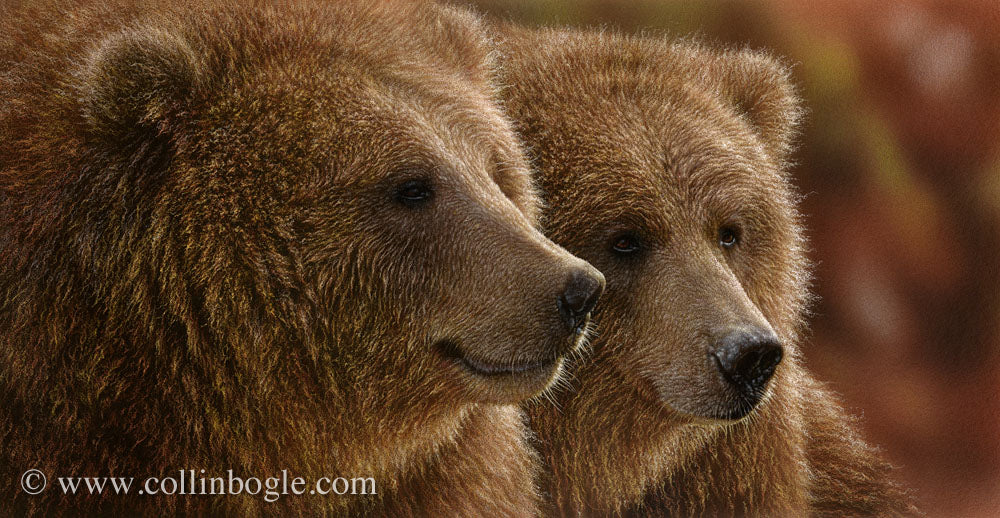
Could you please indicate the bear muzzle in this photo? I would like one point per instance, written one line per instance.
(746, 359)
(581, 293)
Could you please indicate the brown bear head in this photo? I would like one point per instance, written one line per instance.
(664, 166)
(312, 202)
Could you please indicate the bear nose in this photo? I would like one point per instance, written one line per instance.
(583, 289)
(747, 359)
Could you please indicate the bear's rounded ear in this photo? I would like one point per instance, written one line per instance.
(759, 87)
(135, 80)
(462, 39)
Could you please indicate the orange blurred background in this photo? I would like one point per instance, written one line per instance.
(899, 160)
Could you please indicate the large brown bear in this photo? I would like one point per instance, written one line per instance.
(288, 240)
(664, 165)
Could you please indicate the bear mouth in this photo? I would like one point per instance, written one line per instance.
(488, 369)
(742, 407)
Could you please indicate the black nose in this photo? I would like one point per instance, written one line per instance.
(747, 359)
(583, 288)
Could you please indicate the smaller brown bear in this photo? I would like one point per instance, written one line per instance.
(269, 237)
(663, 164)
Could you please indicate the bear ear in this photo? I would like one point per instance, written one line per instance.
(760, 89)
(135, 80)
(462, 38)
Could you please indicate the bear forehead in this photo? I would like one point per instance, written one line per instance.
(333, 122)
(652, 147)
(618, 105)
(323, 73)
(424, 38)
(233, 43)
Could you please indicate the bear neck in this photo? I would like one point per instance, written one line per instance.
(626, 453)
(755, 467)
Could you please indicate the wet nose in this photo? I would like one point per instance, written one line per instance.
(583, 288)
(747, 359)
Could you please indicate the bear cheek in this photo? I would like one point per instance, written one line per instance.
(774, 282)
(683, 379)
(667, 356)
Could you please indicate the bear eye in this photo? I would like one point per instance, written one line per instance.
(414, 192)
(625, 244)
(729, 236)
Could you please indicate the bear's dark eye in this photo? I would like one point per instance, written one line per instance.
(729, 236)
(625, 244)
(414, 192)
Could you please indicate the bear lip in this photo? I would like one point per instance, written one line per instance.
(743, 408)
(487, 369)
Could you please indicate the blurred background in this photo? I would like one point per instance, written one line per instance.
(899, 160)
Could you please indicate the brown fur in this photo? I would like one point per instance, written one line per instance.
(205, 262)
(670, 142)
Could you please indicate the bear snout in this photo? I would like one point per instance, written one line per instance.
(583, 288)
(747, 360)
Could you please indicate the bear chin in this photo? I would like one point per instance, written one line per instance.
(729, 409)
(501, 381)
